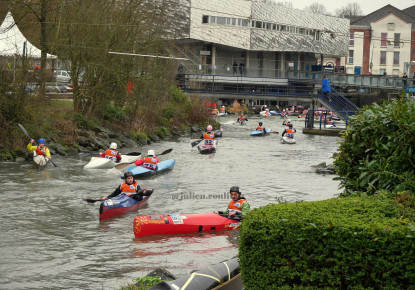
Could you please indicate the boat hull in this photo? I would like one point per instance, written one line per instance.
(169, 224)
(161, 166)
(286, 140)
(207, 149)
(260, 132)
(120, 205)
(104, 163)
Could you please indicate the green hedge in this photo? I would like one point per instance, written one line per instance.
(355, 242)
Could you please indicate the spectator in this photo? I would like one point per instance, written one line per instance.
(235, 67)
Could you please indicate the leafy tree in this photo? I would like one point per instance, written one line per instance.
(377, 152)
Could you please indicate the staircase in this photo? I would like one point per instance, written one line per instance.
(339, 104)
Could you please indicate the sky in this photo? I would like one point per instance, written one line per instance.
(368, 6)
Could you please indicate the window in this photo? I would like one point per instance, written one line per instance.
(212, 19)
(351, 40)
(396, 58)
(351, 56)
(383, 37)
(233, 21)
(383, 57)
(391, 26)
(397, 39)
(258, 24)
(221, 20)
(205, 19)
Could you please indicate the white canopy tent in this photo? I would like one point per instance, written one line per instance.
(12, 41)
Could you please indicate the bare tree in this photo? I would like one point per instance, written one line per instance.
(317, 8)
(351, 9)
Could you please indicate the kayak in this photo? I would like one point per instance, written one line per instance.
(260, 132)
(206, 148)
(161, 166)
(286, 140)
(40, 160)
(120, 205)
(104, 163)
(147, 225)
(224, 274)
(221, 114)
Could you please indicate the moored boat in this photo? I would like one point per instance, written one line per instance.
(161, 166)
(104, 163)
(147, 225)
(120, 205)
(261, 132)
(207, 148)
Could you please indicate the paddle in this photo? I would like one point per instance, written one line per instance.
(92, 200)
(87, 153)
(194, 143)
(120, 166)
(27, 135)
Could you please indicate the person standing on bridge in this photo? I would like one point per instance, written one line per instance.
(325, 88)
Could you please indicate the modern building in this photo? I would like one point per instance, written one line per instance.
(382, 43)
(231, 37)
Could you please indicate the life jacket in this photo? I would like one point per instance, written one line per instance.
(236, 205)
(290, 133)
(150, 163)
(41, 151)
(125, 188)
(111, 154)
(214, 111)
(209, 138)
(259, 128)
(222, 109)
(242, 118)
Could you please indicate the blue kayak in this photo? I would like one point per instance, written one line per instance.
(260, 132)
(161, 166)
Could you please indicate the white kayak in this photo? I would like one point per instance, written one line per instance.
(104, 163)
(286, 140)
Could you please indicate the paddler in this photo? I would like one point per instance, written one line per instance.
(289, 133)
(238, 207)
(130, 188)
(261, 128)
(40, 149)
(149, 162)
(209, 136)
(112, 153)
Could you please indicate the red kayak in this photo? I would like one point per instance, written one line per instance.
(120, 205)
(147, 225)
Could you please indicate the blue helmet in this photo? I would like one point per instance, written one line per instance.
(41, 140)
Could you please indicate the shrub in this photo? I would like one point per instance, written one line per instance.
(114, 113)
(377, 152)
(349, 243)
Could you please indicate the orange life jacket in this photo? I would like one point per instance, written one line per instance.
(236, 206)
(222, 109)
(150, 163)
(111, 154)
(129, 187)
(290, 133)
(259, 128)
(41, 151)
(209, 137)
(242, 118)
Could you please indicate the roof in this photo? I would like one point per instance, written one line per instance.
(12, 40)
(410, 10)
(381, 13)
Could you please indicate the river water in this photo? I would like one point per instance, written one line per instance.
(50, 238)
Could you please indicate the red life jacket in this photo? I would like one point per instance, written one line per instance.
(236, 206)
(150, 163)
(111, 154)
(125, 188)
(209, 137)
(259, 128)
(41, 151)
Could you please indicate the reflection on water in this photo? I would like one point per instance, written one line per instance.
(51, 239)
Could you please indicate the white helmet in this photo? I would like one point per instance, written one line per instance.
(113, 145)
(151, 153)
(223, 106)
(288, 120)
(265, 106)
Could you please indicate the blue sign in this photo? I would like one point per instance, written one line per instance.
(410, 90)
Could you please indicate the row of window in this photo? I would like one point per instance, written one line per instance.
(350, 59)
(383, 39)
(207, 19)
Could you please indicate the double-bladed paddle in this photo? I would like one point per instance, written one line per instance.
(27, 135)
(88, 153)
(194, 143)
(92, 200)
(121, 166)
